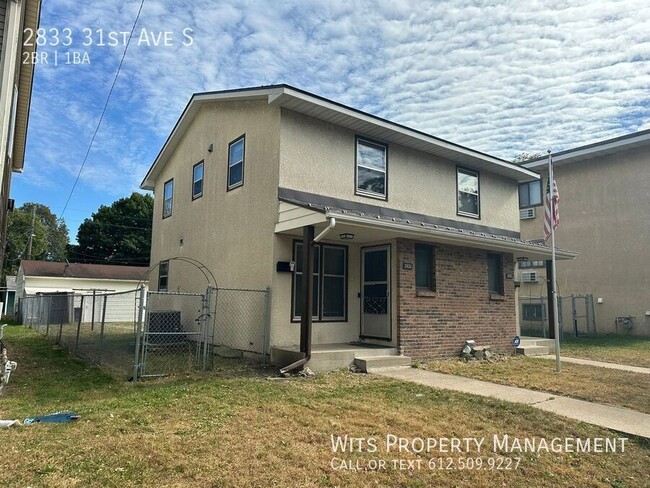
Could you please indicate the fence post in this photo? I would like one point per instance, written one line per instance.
(267, 325)
(593, 313)
(136, 361)
(574, 315)
(81, 313)
(48, 311)
(101, 333)
(92, 317)
(207, 306)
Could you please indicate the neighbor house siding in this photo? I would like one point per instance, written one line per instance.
(319, 157)
(436, 324)
(230, 232)
(604, 215)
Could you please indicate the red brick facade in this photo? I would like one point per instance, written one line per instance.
(436, 324)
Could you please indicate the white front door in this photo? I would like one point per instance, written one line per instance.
(375, 292)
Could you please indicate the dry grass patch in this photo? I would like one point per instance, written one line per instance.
(601, 385)
(611, 349)
(235, 430)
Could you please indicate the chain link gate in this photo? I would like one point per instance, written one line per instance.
(174, 333)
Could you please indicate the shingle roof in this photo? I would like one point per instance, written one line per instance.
(79, 270)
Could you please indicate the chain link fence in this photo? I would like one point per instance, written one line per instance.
(142, 334)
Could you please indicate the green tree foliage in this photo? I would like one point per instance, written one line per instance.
(117, 234)
(49, 242)
(522, 157)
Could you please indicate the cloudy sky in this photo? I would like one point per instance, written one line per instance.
(499, 77)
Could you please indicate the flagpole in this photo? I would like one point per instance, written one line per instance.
(556, 326)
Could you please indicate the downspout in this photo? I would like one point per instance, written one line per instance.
(308, 240)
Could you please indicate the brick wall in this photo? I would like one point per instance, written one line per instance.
(436, 324)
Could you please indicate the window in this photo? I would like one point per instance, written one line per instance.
(330, 282)
(532, 311)
(371, 169)
(495, 273)
(468, 193)
(163, 273)
(532, 264)
(530, 194)
(236, 163)
(425, 275)
(197, 180)
(168, 198)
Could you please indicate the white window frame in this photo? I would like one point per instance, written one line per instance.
(376, 145)
(168, 209)
(232, 164)
(196, 195)
(468, 172)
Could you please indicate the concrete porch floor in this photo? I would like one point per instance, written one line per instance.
(327, 357)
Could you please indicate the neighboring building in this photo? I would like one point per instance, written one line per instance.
(47, 277)
(416, 237)
(605, 216)
(9, 296)
(18, 23)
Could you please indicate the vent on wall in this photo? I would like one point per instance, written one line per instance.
(529, 276)
(527, 213)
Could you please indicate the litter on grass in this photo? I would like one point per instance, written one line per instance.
(53, 418)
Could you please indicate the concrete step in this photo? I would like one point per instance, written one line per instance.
(368, 364)
(538, 341)
(532, 350)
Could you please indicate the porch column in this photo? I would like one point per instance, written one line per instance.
(307, 288)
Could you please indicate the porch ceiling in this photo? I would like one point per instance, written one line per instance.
(370, 228)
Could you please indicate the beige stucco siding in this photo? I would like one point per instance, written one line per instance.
(319, 157)
(287, 333)
(604, 209)
(231, 232)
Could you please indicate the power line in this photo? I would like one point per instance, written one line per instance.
(101, 117)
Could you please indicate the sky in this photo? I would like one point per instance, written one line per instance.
(499, 77)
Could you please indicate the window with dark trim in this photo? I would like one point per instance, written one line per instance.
(532, 311)
(197, 181)
(425, 274)
(530, 194)
(236, 155)
(495, 273)
(168, 198)
(468, 200)
(330, 282)
(371, 169)
(532, 264)
(163, 275)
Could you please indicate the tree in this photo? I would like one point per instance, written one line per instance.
(117, 234)
(522, 157)
(49, 241)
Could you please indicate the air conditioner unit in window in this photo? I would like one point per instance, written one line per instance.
(527, 213)
(529, 277)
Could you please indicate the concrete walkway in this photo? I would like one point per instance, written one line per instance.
(615, 418)
(599, 364)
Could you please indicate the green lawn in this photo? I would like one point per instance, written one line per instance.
(609, 348)
(234, 427)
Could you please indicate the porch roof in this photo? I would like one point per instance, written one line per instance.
(375, 224)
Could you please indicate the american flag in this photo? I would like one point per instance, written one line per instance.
(551, 217)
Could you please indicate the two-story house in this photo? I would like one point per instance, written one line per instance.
(18, 23)
(605, 216)
(414, 238)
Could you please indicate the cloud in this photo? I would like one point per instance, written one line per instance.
(500, 78)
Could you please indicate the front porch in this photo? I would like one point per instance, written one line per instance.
(327, 357)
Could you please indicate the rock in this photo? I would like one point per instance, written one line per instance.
(478, 353)
(353, 369)
(306, 373)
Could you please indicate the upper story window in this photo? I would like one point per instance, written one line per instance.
(495, 273)
(168, 198)
(197, 180)
(425, 277)
(371, 169)
(530, 194)
(163, 274)
(236, 163)
(469, 203)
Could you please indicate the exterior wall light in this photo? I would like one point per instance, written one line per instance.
(346, 236)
